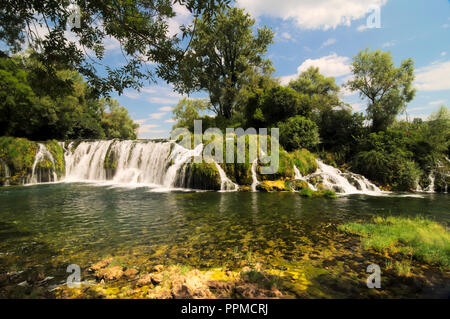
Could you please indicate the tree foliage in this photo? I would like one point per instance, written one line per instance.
(140, 26)
(387, 88)
(222, 59)
(30, 109)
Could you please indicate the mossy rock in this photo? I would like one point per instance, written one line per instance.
(58, 156)
(296, 184)
(272, 186)
(18, 154)
(202, 175)
(110, 162)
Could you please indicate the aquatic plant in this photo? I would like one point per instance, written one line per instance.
(423, 239)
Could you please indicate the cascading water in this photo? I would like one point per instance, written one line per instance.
(6, 172)
(299, 176)
(341, 182)
(37, 175)
(430, 188)
(255, 181)
(225, 183)
(140, 163)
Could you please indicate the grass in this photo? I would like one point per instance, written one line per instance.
(417, 237)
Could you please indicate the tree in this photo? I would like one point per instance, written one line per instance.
(222, 56)
(140, 26)
(33, 110)
(189, 110)
(321, 92)
(298, 132)
(16, 99)
(117, 123)
(387, 88)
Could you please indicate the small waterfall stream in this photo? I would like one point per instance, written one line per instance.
(255, 181)
(341, 182)
(299, 176)
(430, 188)
(43, 154)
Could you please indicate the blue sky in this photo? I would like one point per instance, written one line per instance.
(327, 34)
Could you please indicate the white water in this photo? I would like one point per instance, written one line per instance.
(342, 182)
(225, 183)
(430, 187)
(299, 176)
(255, 181)
(42, 154)
(6, 172)
(161, 165)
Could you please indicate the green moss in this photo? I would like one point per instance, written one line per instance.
(203, 176)
(418, 237)
(18, 154)
(273, 186)
(110, 159)
(58, 156)
(307, 192)
(304, 161)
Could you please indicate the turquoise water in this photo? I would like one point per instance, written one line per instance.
(50, 226)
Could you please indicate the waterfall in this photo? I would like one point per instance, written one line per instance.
(254, 176)
(299, 176)
(225, 183)
(86, 161)
(180, 156)
(430, 188)
(341, 182)
(162, 165)
(43, 154)
(6, 172)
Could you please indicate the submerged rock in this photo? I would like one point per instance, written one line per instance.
(131, 273)
(112, 273)
(101, 264)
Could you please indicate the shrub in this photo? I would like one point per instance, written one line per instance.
(298, 132)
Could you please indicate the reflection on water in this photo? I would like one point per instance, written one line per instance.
(54, 225)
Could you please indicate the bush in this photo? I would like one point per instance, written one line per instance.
(298, 132)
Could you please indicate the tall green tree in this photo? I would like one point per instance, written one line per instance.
(387, 88)
(223, 57)
(140, 26)
(116, 122)
(321, 92)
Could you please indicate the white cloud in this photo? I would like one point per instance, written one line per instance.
(357, 107)
(330, 65)
(183, 17)
(445, 26)
(170, 121)
(312, 14)
(437, 102)
(140, 121)
(362, 27)
(157, 116)
(162, 100)
(443, 53)
(329, 42)
(132, 95)
(166, 108)
(148, 128)
(433, 77)
(388, 44)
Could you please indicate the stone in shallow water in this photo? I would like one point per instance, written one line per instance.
(112, 273)
(130, 273)
(101, 264)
